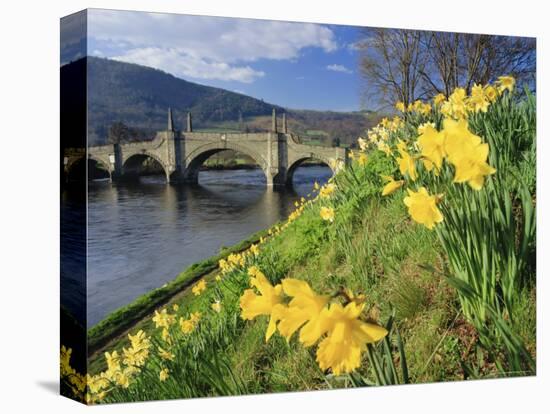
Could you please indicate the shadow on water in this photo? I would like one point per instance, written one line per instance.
(141, 235)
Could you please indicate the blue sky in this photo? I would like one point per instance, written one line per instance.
(296, 65)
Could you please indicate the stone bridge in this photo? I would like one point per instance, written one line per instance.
(181, 154)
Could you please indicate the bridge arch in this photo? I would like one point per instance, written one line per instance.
(75, 170)
(294, 164)
(132, 164)
(199, 155)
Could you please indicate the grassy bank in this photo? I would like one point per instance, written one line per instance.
(415, 264)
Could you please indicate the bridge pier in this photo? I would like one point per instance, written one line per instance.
(275, 180)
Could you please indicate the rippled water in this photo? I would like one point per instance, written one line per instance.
(141, 236)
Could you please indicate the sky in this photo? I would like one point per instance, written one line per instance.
(295, 65)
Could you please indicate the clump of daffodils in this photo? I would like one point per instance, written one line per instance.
(199, 287)
(75, 380)
(292, 306)
(327, 190)
(121, 369)
(453, 145)
(327, 213)
(188, 325)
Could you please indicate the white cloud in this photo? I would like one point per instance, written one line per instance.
(339, 68)
(181, 64)
(205, 47)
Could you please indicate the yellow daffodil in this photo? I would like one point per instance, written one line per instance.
(491, 93)
(254, 271)
(432, 145)
(327, 190)
(163, 375)
(224, 265)
(363, 144)
(113, 360)
(123, 379)
(391, 186)
(96, 383)
(423, 207)
(422, 108)
(382, 146)
(199, 287)
(455, 107)
(254, 249)
(236, 260)
(467, 154)
(373, 136)
(362, 159)
(406, 161)
(134, 356)
(303, 311)
(195, 317)
(139, 340)
(400, 106)
(439, 99)
(65, 359)
(166, 337)
(166, 355)
(327, 214)
(346, 338)
(478, 100)
(175, 307)
(506, 83)
(187, 325)
(163, 319)
(217, 306)
(396, 123)
(253, 305)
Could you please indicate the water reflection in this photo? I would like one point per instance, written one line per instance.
(142, 235)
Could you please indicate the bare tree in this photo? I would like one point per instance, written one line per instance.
(404, 65)
(391, 63)
(118, 133)
(462, 59)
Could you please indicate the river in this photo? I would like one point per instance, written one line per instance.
(142, 235)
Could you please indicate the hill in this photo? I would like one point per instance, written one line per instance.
(139, 96)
